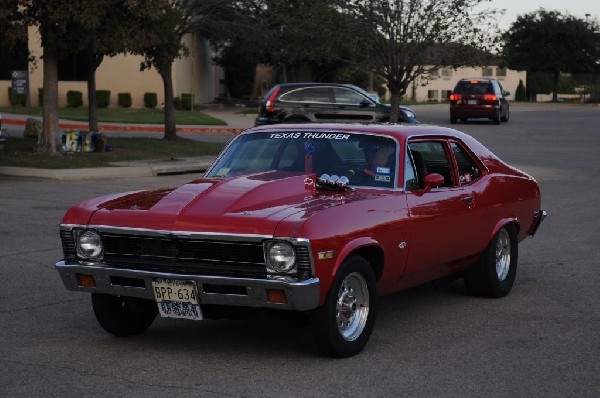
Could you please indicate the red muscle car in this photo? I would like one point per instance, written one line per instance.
(313, 220)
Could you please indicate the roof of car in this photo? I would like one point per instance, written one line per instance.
(398, 131)
(311, 84)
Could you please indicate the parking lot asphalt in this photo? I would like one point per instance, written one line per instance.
(429, 341)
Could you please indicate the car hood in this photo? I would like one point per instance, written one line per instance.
(252, 204)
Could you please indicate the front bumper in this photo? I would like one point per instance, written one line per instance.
(243, 292)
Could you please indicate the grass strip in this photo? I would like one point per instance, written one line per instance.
(19, 152)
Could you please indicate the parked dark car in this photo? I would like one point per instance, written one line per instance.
(324, 102)
(479, 98)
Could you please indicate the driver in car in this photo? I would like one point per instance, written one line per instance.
(380, 164)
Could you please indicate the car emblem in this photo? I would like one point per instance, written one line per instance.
(246, 213)
(134, 207)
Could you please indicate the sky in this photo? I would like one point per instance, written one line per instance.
(514, 8)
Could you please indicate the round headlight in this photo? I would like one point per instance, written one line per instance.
(281, 257)
(408, 113)
(89, 245)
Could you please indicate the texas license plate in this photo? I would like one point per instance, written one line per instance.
(176, 298)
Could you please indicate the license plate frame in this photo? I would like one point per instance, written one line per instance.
(177, 298)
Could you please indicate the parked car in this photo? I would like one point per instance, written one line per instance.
(479, 98)
(324, 102)
(306, 220)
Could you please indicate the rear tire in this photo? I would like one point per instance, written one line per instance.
(496, 118)
(494, 274)
(123, 316)
(343, 325)
(506, 117)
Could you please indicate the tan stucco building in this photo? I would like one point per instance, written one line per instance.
(195, 74)
(438, 85)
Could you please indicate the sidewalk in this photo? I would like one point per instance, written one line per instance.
(236, 123)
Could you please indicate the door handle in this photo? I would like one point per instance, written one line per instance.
(468, 199)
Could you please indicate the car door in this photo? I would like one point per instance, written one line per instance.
(352, 106)
(443, 219)
(319, 102)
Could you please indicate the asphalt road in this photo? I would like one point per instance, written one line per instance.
(540, 341)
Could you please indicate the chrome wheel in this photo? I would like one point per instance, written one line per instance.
(352, 306)
(502, 254)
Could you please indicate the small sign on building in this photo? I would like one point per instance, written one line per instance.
(20, 81)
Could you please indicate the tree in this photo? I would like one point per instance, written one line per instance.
(520, 94)
(107, 35)
(403, 39)
(60, 23)
(552, 42)
(160, 27)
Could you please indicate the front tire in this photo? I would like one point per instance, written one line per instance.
(343, 325)
(123, 316)
(494, 274)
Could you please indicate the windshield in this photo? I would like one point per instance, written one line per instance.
(367, 160)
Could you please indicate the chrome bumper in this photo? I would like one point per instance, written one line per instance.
(538, 217)
(244, 292)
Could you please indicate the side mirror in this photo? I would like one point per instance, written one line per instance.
(364, 103)
(506, 93)
(433, 180)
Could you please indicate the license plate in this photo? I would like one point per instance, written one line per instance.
(472, 102)
(176, 298)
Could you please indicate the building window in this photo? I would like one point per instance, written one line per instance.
(446, 94)
(432, 95)
(446, 72)
(434, 73)
(487, 72)
(501, 72)
(73, 68)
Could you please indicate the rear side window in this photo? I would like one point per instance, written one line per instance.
(468, 87)
(468, 171)
(310, 94)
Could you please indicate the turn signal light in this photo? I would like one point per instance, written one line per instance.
(489, 97)
(276, 296)
(86, 280)
(454, 97)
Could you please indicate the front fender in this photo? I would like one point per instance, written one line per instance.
(329, 271)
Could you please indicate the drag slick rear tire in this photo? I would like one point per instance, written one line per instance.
(494, 274)
(343, 325)
(123, 316)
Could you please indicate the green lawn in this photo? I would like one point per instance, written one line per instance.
(20, 152)
(124, 115)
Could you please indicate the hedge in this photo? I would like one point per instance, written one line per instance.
(74, 99)
(186, 101)
(102, 98)
(124, 100)
(150, 100)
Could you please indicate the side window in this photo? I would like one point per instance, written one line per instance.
(430, 157)
(318, 94)
(293, 96)
(345, 96)
(468, 171)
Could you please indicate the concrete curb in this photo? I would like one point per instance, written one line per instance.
(142, 168)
